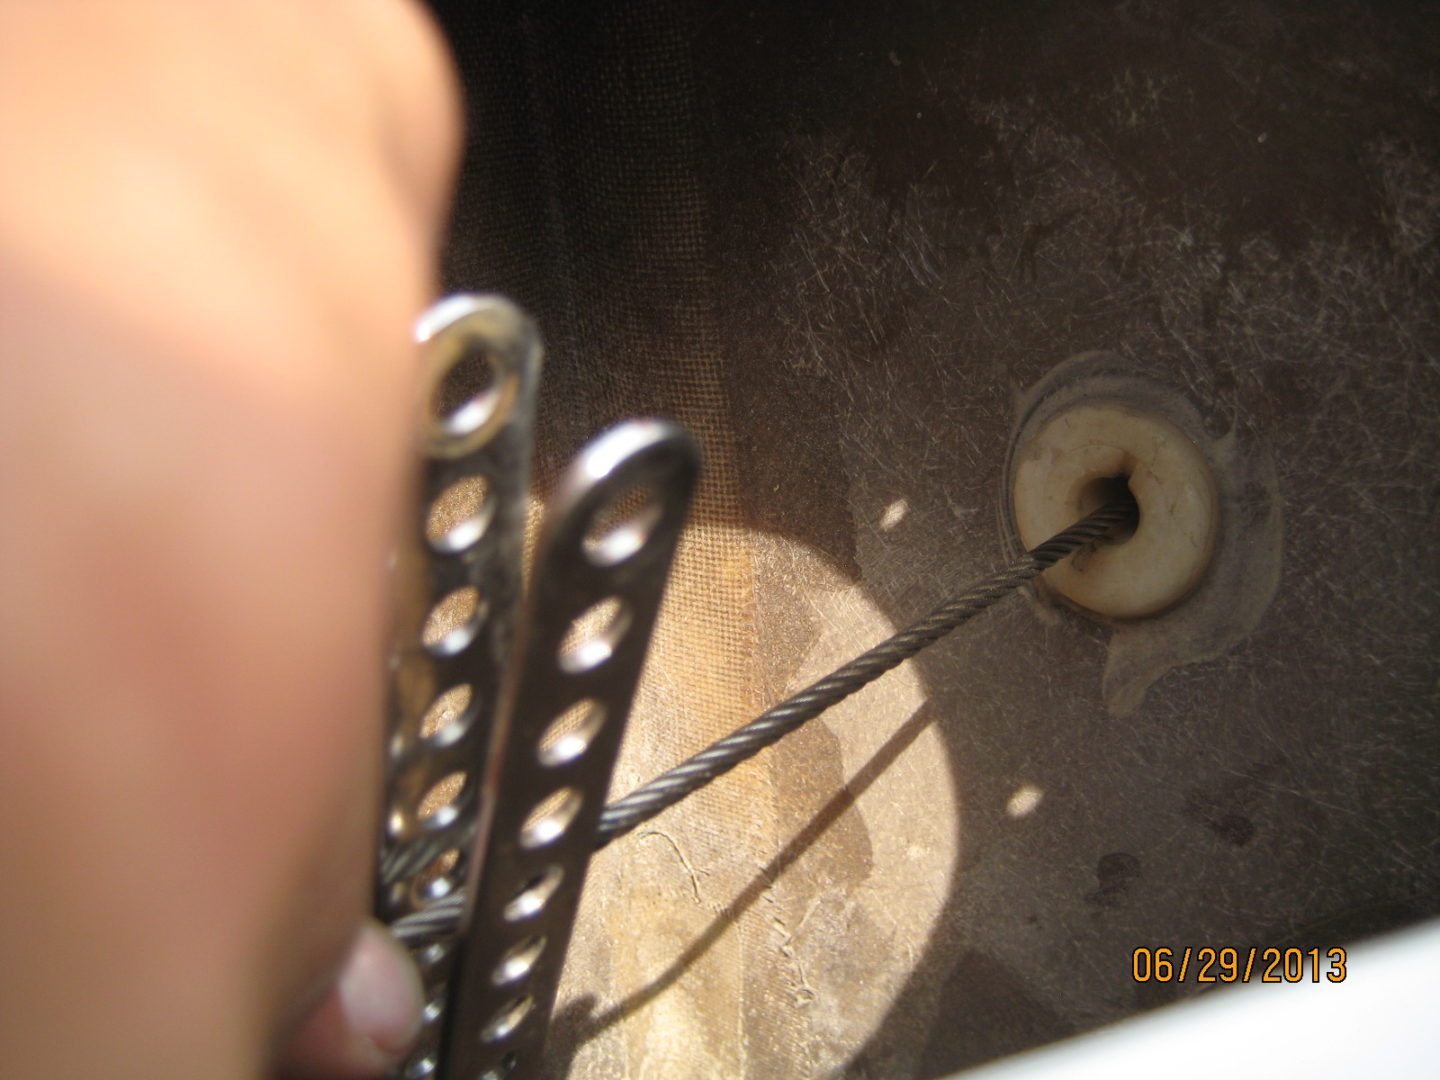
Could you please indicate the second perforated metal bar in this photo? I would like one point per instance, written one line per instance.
(579, 652)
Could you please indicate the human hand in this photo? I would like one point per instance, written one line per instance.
(217, 222)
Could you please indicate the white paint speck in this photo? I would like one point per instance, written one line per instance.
(1023, 803)
(894, 514)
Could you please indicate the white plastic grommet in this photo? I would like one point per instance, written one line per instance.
(1067, 469)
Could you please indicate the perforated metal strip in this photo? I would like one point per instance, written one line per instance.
(595, 590)
(458, 582)
(655, 796)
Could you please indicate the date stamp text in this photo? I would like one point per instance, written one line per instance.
(1243, 964)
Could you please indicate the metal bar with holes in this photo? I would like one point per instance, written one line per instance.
(458, 582)
(600, 566)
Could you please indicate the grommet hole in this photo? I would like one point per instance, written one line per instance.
(1078, 458)
(1104, 490)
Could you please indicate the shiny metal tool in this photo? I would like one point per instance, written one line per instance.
(506, 713)
(594, 595)
(462, 557)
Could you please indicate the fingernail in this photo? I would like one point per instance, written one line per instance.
(380, 992)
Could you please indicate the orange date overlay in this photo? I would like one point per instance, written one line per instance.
(1252, 963)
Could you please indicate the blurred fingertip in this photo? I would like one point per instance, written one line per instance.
(368, 1022)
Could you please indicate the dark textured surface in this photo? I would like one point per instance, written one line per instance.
(841, 239)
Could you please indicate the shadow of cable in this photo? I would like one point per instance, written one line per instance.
(577, 1023)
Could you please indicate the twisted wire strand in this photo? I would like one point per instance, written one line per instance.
(657, 795)
(654, 797)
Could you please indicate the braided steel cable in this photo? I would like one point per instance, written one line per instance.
(651, 798)
(654, 797)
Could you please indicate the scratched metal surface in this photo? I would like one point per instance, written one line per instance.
(840, 241)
